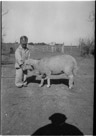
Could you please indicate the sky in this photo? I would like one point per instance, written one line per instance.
(43, 21)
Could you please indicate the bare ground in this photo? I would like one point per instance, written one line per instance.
(24, 110)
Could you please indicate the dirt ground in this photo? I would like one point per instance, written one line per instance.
(26, 109)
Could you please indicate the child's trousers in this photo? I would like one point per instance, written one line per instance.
(21, 77)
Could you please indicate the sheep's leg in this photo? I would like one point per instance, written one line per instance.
(48, 78)
(70, 81)
(42, 81)
(48, 82)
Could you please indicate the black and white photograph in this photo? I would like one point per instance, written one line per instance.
(47, 67)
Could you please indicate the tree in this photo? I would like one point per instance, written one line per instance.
(4, 13)
(92, 17)
(92, 20)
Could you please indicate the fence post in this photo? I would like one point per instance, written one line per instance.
(52, 47)
(71, 48)
(62, 48)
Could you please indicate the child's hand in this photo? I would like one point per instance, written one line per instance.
(23, 67)
(29, 67)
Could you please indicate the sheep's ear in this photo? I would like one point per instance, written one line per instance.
(32, 67)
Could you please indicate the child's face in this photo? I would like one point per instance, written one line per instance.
(24, 45)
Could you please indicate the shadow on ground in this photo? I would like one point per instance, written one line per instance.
(32, 79)
(58, 127)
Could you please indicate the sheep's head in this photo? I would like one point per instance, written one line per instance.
(28, 66)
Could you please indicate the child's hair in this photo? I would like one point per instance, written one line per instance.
(23, 40)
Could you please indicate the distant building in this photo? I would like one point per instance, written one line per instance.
(52, 43)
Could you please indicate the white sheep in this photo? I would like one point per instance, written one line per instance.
(61, 64)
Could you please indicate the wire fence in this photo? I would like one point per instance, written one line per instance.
(39, 51)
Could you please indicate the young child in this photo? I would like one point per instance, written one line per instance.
(21, 54)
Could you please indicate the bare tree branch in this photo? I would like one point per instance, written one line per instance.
(4, 13)
(91, 17)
